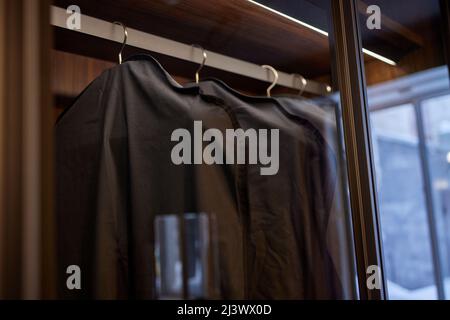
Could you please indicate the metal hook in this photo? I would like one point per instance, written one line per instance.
(274, 83)
(302, 81)
(125, 38)
(205, 56)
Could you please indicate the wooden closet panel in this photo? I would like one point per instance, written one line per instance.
(235, 28)
(2, 133)
(71, 73)
(27, 255)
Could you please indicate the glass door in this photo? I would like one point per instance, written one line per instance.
(407, 81)
(307, 230)
(290, 234)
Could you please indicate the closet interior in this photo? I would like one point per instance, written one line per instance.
(285, 46)
(237, 29)
(95, 94)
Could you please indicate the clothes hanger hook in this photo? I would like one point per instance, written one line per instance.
(303, 82)
(205, 56)
(274, 83)
(125, 38)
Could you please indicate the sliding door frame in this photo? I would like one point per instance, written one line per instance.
(346, 46)
(27, 255)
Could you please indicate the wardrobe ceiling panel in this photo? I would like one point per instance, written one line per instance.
(236, 28)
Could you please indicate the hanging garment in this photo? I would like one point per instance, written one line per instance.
(320, 112)
(115, 174)
(289, 211)
(323, 114)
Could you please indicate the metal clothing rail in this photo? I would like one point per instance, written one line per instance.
(113, 32)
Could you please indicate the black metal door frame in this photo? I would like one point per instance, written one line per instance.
(348, 74)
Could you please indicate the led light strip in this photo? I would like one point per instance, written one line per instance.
(322, 32)
(304, 24)
(379, 57)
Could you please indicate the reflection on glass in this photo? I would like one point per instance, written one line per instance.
(188, 244)
(436, 117)
(405, 232)
(410, 33)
